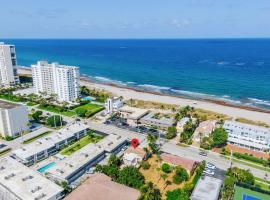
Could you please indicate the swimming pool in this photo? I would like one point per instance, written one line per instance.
(46, 167)
(88, 98)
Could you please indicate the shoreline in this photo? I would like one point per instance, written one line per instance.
(235, 111)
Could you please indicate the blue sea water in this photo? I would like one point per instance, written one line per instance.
(235, 70)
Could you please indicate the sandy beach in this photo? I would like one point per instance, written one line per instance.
(219, 107)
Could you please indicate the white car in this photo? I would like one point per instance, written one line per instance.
(209, 172)
(210, 166)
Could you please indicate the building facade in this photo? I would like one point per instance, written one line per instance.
(113, 104)
(59, 80)
(8, 65)
(248, 136)
(13, 119)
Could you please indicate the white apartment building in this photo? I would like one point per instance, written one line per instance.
(8, 65)
(18, 182)
(55, 79)
(13, 119)
(113, 104)
(249, 136)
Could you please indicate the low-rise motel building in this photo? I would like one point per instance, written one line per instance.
(248, 136)
(132, 114)
(162, 122)
(18, 182)
(44, 147)
(13, 119)
(75, 165)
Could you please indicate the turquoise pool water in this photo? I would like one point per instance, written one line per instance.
(46, 167)
(88, 98)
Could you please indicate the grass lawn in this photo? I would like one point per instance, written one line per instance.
(93, 108)
(57, 111)
(80, 144)
(239, 191)
(5, 151)
(36, 137)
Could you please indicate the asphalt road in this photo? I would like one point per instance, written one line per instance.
(216, 159)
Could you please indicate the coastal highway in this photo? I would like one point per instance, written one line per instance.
(220, 162)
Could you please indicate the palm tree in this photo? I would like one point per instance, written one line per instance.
(149, 192)
(164, 177)
(168, 182)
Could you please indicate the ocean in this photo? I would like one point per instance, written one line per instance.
(233, 70)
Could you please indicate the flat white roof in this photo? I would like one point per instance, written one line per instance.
(76, 160)
(240, 126)
(24, 182)
(207, 188)
(135, 113)
(49, 141)
(163, 120)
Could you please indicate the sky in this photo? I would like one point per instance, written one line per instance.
(134, 19)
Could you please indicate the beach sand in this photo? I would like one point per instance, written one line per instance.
(215, 106)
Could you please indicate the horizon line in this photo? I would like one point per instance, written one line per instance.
(206, 38)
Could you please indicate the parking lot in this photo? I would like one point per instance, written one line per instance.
(122, 123)
(213, 171)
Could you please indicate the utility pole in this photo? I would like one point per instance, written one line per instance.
(231, 160)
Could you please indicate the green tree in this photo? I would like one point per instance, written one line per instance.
(171, 132)
(131, 176)
(145, 165)
(37, 115)
(228, 188)
(110, 170)
(151, 138)
(55, 120)
(149, 192)
(81, 112)
(166, 168)
(241, 175)
(114, 160)
(219, 136)
(177, 194)
(180, 175)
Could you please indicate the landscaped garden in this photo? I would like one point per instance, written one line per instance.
(89, 138)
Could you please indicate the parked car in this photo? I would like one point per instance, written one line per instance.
(209, 172)
(210, 166)
(203, 153)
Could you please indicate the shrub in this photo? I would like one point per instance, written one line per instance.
(145, 165)
(55, 120)
(166, 168)
(180, 175)
(250, 158)
(171, 132)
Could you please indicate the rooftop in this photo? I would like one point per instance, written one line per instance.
(239, 125)
(54, 64)
(49, 141)
(183, 121)
(8, 105)
(176, 160)
(24, 182)
(162, 121)
(207, 188)
(100, 187)
(206, 127)
(134, 113)
(81, 157)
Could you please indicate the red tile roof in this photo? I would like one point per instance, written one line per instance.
(100, 187)
(176, 160)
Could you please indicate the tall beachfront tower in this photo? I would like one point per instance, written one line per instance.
(8, 65)
(55, 79)
(13, 119)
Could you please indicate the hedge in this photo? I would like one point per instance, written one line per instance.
(250, 158)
